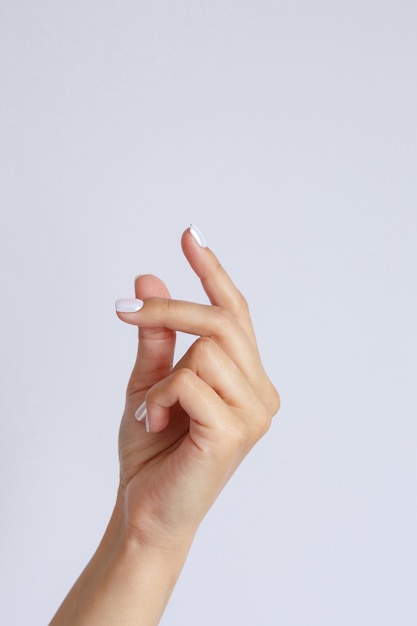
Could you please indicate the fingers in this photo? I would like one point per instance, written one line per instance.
(200, 320)
(208, 361)
(213, 392)
(232, 308)
(183, 386)
(217, 284)
(156, 344)
(226, 322)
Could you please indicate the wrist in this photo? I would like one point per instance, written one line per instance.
(143, 567)
(148, 530)
(147, 535)
(128, 575)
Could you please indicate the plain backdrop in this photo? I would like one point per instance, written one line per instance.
(287, 131)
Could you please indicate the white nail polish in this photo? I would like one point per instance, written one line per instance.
(198, 236)
(147, 422)
(129, 305)
(140, 412)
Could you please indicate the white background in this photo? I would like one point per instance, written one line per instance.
(287, 131)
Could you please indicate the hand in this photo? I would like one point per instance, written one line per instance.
(204, 414)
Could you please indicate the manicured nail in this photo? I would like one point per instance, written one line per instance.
(140, 412)
(147, 422)
(128, 306)
(198, 236)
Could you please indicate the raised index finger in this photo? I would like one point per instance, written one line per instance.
(216, 282)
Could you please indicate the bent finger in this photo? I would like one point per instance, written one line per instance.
(199, 400)
(210, 363)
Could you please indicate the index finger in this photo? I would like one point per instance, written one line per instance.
(216, 282)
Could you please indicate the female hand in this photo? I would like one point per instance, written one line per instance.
(203, 415)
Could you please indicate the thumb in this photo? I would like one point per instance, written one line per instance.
(156, 345)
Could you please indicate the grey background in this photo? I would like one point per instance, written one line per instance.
(287, 132)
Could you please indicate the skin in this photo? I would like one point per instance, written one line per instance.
(205, 414)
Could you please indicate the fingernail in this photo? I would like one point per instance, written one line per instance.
(198, 236)
(140, 412)
(147, 422)
(128, 306)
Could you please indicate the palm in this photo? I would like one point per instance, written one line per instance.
(137, 449)
(154, 467)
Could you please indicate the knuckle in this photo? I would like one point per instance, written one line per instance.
(242, 305)
(225, 320)
(263, 423)
(270, 397)
(237, 435)
(258, 419)
(202, 351)
(274, 400)
(202, 347)
(184, 377)
(168, 305)
(238, 431)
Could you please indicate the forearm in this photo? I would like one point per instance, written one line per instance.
(126, 582)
